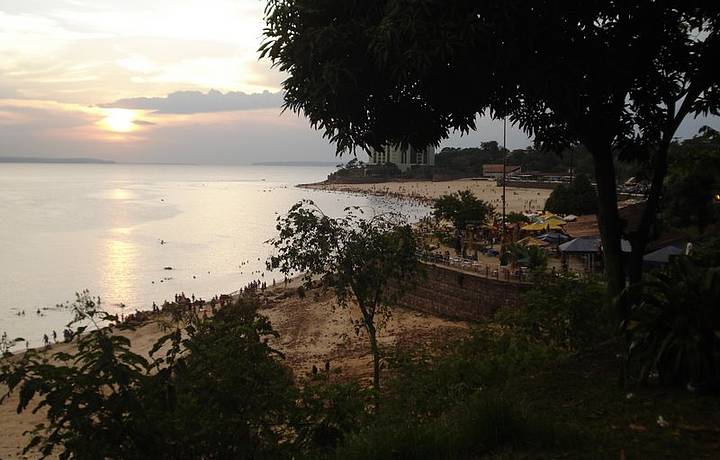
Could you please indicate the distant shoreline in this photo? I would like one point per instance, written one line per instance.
(40, 160)
(294, 163)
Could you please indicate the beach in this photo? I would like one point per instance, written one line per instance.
(138, 234)
(312, 331)
(517, 199)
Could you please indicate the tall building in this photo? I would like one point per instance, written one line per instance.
(403, 159)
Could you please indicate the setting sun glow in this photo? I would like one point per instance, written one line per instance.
(119, 120)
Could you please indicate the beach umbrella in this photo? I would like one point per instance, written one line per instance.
(534, 227)
(553, 237)
(531, 241)
(555, 221)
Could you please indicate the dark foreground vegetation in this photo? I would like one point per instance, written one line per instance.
(539, 382)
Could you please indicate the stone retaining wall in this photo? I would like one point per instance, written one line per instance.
(462, 295)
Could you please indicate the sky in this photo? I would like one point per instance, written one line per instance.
(172, 81)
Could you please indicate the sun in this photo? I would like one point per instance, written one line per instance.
(119, 120)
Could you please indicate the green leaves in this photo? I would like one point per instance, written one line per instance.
(462, 208)
(673, 323)
(218, 391)
(371, 260)
(577, 198)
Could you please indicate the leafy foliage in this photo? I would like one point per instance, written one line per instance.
(328, 411)
(216, 390)
(707, 252)
(90, 395)
(693, 181)
(517, 218)
(425, 384)
(382, 72)
(577, 198)
(463, 208)
(371, 260)
(533, 257)
(674, 326)
(475, 429)
(565, 312)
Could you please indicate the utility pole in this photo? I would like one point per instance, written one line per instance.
(502, 240)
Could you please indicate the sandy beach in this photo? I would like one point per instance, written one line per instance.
(312, 331)
(518, 199)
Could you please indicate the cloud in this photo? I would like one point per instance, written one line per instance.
(189, 102)
(85, 51)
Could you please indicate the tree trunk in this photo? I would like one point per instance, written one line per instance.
(609, 222)
(642, 235)
(376, 356)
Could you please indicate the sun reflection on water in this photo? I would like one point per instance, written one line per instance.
(118, 270)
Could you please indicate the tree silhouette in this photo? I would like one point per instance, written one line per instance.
(617, 77)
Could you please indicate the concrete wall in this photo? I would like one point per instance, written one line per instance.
(462, 295)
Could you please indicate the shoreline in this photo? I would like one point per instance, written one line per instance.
(312, 331)
(518, 199)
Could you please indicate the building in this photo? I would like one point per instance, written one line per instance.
(403, 159)
(496, 170)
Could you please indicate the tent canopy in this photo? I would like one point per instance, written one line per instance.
(662, 255)
(581, 246)
(540, 226)
(531, 241)
(553, 237)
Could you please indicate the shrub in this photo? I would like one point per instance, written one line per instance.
(425, 385)
(477, 427)
(564, 311)
(674, 324)
(218, 390)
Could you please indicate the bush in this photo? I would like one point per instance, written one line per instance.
(425, 385)
(674, 324)
(218, 390)
(478, 427)
(565, 312)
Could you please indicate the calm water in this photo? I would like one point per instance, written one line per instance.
(64, 228)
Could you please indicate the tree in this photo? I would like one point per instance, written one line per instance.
(517, 218)
(617, 77)
(576, 198)
(693, 181)
(462, 208)
(371, 260)
(213, 389)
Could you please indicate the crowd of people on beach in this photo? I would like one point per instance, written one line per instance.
(191, 303)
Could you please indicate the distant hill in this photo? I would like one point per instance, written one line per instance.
(54, 160)
(296, 163)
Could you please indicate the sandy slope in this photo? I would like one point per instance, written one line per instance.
(311, 331)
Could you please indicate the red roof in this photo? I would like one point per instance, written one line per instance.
(498, 168)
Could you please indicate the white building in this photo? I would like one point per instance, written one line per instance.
(403, 159)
